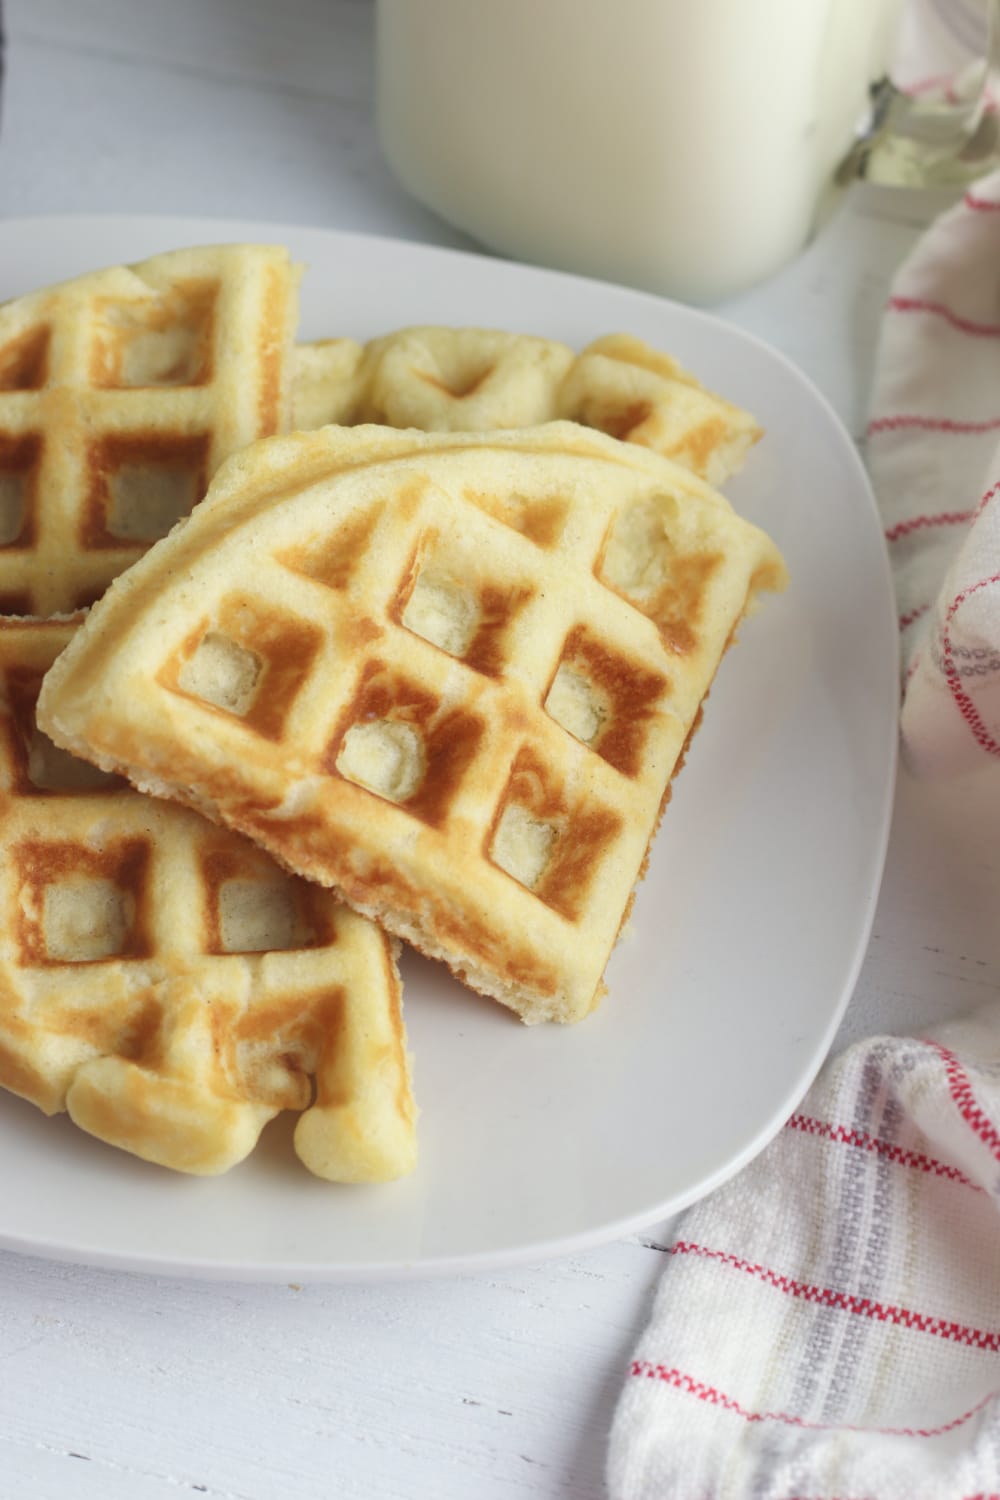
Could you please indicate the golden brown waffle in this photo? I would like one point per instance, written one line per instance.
(448, 675)
(120, 394)
(477, 379)
(167, 983)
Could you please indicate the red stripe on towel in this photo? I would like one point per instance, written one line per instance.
(981, 205)
(848, 1136)
(960, 1088)
(963, 702)
(926, 522)
(939, 310)
(714, 1397)
(866, 1307)
(905, 621)
(930, 424)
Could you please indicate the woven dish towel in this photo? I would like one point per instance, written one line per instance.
(828, 1323)
(934, 458)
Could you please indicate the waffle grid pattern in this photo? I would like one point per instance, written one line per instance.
(120, 394)
(450, 792)
(163, 978)
(467, 775)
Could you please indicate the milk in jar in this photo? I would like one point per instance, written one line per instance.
(677, 145)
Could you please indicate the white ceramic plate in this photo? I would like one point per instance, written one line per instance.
(747, 933)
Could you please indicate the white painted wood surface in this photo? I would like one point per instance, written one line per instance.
(127, 1388)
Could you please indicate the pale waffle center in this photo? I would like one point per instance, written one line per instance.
(522, 845)
(52, 769)
(168, 357)
(163, 342)
(146, 500)
(13, 503)
(257, 916)
(84, 919)
(385, 756)
(442, 612)
(223, 673)
(639, 554)
(575, 703)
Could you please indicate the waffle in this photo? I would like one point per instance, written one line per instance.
(120, 394)
(326, 382)
(448, 675)
(475, 379)
(432, 379)
(622, 387)
(170, 986)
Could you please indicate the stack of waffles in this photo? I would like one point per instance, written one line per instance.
(429, 686)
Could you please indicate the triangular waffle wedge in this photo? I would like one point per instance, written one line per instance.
(167, 983)
(475, 379)
(120, 394)
(448, 675)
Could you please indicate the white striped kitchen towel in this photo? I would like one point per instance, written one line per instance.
(828, 1324)
(934, 457)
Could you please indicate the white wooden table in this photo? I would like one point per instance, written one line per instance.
(128, 1388)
